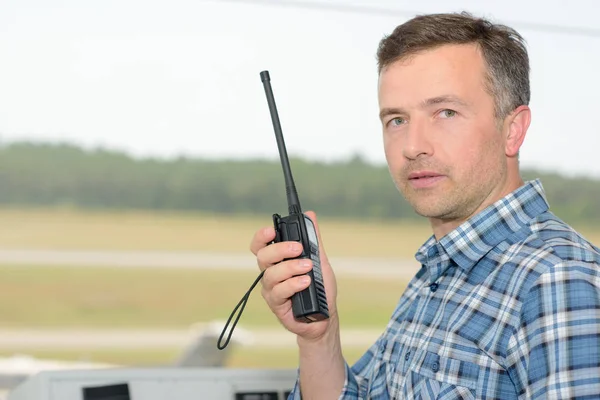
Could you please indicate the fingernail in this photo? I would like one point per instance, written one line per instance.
(304, 279)
(295, 246)
(305, 263)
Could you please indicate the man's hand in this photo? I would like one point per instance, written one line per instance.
(280, 282)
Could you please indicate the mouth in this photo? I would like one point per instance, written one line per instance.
(424, 179)
(423, 175)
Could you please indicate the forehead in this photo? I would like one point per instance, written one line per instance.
(448, 69)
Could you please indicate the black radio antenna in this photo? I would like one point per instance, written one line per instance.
(290, 187)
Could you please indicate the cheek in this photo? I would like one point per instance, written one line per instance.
(479, 158)
(467, 143)
(393, 151)
(469, 159)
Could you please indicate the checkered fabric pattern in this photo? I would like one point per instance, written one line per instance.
(506, 306)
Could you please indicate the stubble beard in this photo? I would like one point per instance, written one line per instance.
(449, 200)
(436, 202)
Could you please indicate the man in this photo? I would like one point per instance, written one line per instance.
(507, 302)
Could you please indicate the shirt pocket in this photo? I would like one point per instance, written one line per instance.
(433, 377)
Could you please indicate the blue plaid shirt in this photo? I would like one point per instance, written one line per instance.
(506, 306)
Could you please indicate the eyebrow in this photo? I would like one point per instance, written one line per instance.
(443, 99)
(447, 99)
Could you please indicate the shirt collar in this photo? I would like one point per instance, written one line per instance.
(474, 238)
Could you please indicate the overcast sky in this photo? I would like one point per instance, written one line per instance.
(162, 78)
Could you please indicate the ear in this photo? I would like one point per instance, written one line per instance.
(516, 127)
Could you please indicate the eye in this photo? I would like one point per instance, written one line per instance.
(447, 113)
(397, 121)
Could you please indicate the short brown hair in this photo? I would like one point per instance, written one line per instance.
(502, 47)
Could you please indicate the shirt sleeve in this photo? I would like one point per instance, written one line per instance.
(357, 377)
(555, 352)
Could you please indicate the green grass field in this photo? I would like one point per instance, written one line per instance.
(51, 297)
(143, 230)
(69, 229)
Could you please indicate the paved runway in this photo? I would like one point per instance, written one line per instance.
(375, 267)
(114, 339)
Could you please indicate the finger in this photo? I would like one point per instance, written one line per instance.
(284, 271)
(284, 290)
(261, 238)
(277, 252)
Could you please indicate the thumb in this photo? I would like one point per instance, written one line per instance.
(313, 217)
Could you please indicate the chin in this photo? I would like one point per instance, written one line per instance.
(431, 210)
(427, 213)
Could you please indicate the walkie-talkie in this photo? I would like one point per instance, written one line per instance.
(310, 304)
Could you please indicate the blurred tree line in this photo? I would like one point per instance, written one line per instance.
(41, 174)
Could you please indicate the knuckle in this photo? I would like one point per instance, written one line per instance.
(268, 232)
(261, 259)
(278, 289)
(261, 265)
(267, 280)
(253, 248)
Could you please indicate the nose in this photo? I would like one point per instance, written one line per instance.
(417, 143)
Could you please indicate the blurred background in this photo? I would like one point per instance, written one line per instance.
(137, 159)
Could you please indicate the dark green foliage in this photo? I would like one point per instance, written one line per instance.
(35, 174)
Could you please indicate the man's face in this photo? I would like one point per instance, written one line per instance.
(441, 138)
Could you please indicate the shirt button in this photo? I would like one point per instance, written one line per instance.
(433, 287)
(435, 367)
(382, 345)
(407, 356)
